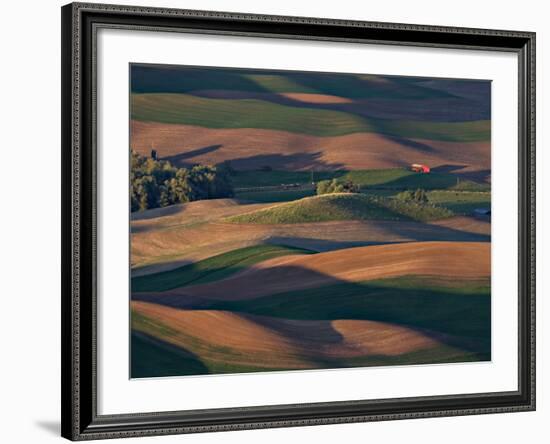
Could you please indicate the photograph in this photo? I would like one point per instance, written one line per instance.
(296, 220)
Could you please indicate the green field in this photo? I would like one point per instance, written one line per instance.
(252, 179)
(251, 113)
(389, 178)
(460, 202)
(341, 206)
(211, 269)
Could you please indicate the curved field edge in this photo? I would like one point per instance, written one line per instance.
(213, 269)
(341, 206)
(458, 308)
(253, 113)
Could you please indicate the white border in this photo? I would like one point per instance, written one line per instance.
(118, 394)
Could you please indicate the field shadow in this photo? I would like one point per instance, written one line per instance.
(321, 245)
(144, 270)
(180, 159)
(431, 181)
(277, 161)
(423, 232)
(479, 176)
(152, 357)
(409, 143)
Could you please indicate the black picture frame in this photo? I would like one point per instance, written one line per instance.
(80, 420)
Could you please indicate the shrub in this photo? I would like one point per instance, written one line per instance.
(419, 196)
(335, 186)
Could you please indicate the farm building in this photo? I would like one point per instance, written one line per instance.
(420, 168)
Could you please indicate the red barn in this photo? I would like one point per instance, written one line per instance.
(419, 168)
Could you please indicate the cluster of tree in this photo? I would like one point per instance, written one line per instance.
(419, 196)
(157, 183)
(335, 186)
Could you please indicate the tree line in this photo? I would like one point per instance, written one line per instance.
(157, 183)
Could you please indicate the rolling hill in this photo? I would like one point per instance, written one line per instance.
(341, 206)
(168, 238)
(465, 260)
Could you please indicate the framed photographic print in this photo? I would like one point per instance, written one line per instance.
(281, 221)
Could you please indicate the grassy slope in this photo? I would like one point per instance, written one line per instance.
(251, 113)
(460, 202)
(342, 206)
(212, 269)
(275, 196)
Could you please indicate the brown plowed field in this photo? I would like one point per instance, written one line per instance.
(246, 148)
(279, 343)
(444, 259)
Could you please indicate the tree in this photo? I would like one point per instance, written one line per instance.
(420, 196)
(156, 183)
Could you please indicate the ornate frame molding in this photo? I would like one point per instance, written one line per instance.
(80, 420)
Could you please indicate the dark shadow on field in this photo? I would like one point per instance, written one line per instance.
(456, 312)
(481, 176)
(475, 91)
(138, 272)
(429, 232)
(417, 146)
(276, 161)
(152, 357)
(447, 110)
(431, 181)
(148, 78)
(322, 245)
(393, 232)
(448, 169)
(179, 159)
